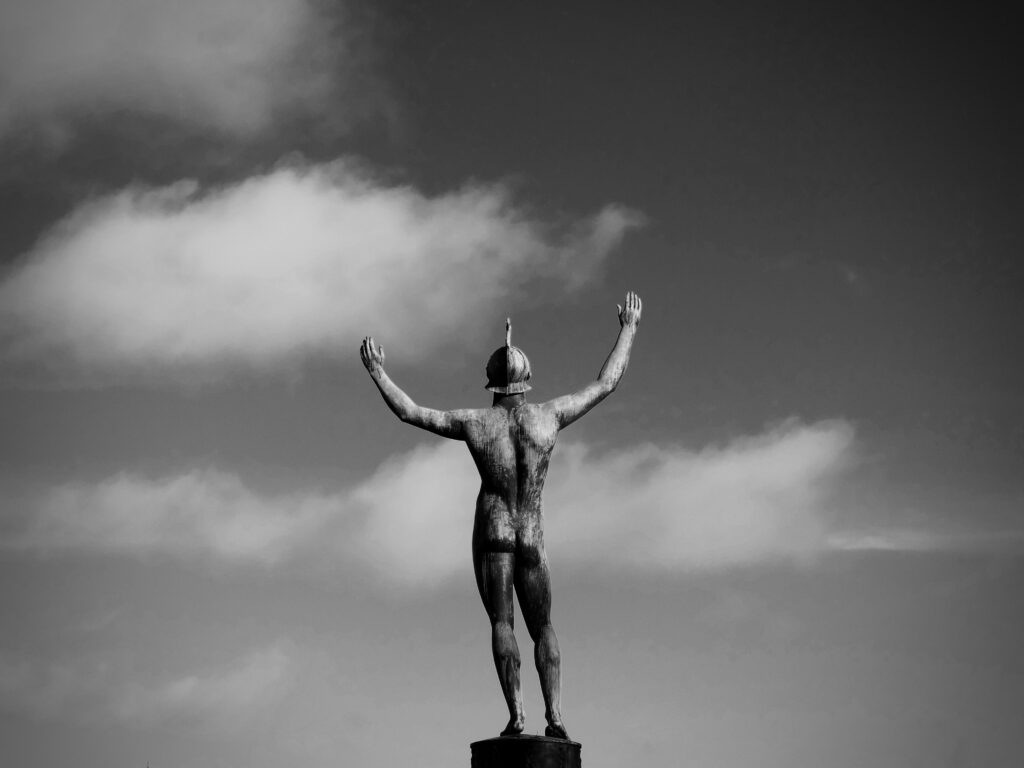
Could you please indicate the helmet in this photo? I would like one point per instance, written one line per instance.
(508, 370)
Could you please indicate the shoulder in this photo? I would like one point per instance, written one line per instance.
(537, 412)
(551, 407)
(470, 417)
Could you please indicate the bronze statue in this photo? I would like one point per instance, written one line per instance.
(511, 443)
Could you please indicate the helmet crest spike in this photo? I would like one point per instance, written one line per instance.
(508, 370)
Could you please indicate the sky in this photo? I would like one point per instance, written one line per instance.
(793, 536)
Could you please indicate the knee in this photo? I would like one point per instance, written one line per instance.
(543, 634)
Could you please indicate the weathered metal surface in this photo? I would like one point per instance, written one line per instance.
(511, 443)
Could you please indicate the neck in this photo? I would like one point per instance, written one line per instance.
(508, 402)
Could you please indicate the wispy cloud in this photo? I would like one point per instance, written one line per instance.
(226, 695)
(756, 498)
(233, 66)
(762, 498)
(196, 514)
(924, 540)
(88, 690)
(182, 284)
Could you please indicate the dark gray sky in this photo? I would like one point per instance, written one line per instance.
(793, 535)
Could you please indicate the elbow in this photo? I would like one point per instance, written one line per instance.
(404, 413)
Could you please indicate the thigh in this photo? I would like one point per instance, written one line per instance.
(533, 585)
(494, 578)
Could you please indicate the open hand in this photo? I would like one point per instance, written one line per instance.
(372, 356)
(630, 314)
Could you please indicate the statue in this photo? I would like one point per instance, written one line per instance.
(511, 443)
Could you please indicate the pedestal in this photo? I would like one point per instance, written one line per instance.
(525, 752)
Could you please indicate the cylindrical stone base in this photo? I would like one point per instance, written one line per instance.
(525, 752)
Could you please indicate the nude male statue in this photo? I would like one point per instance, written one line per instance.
(511, 443)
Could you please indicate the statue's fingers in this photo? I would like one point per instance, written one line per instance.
(639, 305)
(618, 308)
(381, 350)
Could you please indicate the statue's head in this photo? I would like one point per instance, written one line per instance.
(508, 370)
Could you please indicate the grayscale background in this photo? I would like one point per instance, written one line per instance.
(794, 537)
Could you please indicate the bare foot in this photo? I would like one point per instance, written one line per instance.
(515, 726)
(556, 730)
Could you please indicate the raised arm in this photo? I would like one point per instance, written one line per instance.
(449, 424)
(568, 408)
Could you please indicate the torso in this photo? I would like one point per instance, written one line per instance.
(511, 449)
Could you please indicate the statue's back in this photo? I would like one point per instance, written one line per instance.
(511, 448)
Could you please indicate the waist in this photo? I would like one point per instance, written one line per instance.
(512, 505)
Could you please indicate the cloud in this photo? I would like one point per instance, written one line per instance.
(199, 513)
(759, 498)
(414, 516)
(186, 285)
(222, 697)
(650, 508)
(921, 540)
(226, 695)
(233, 66)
